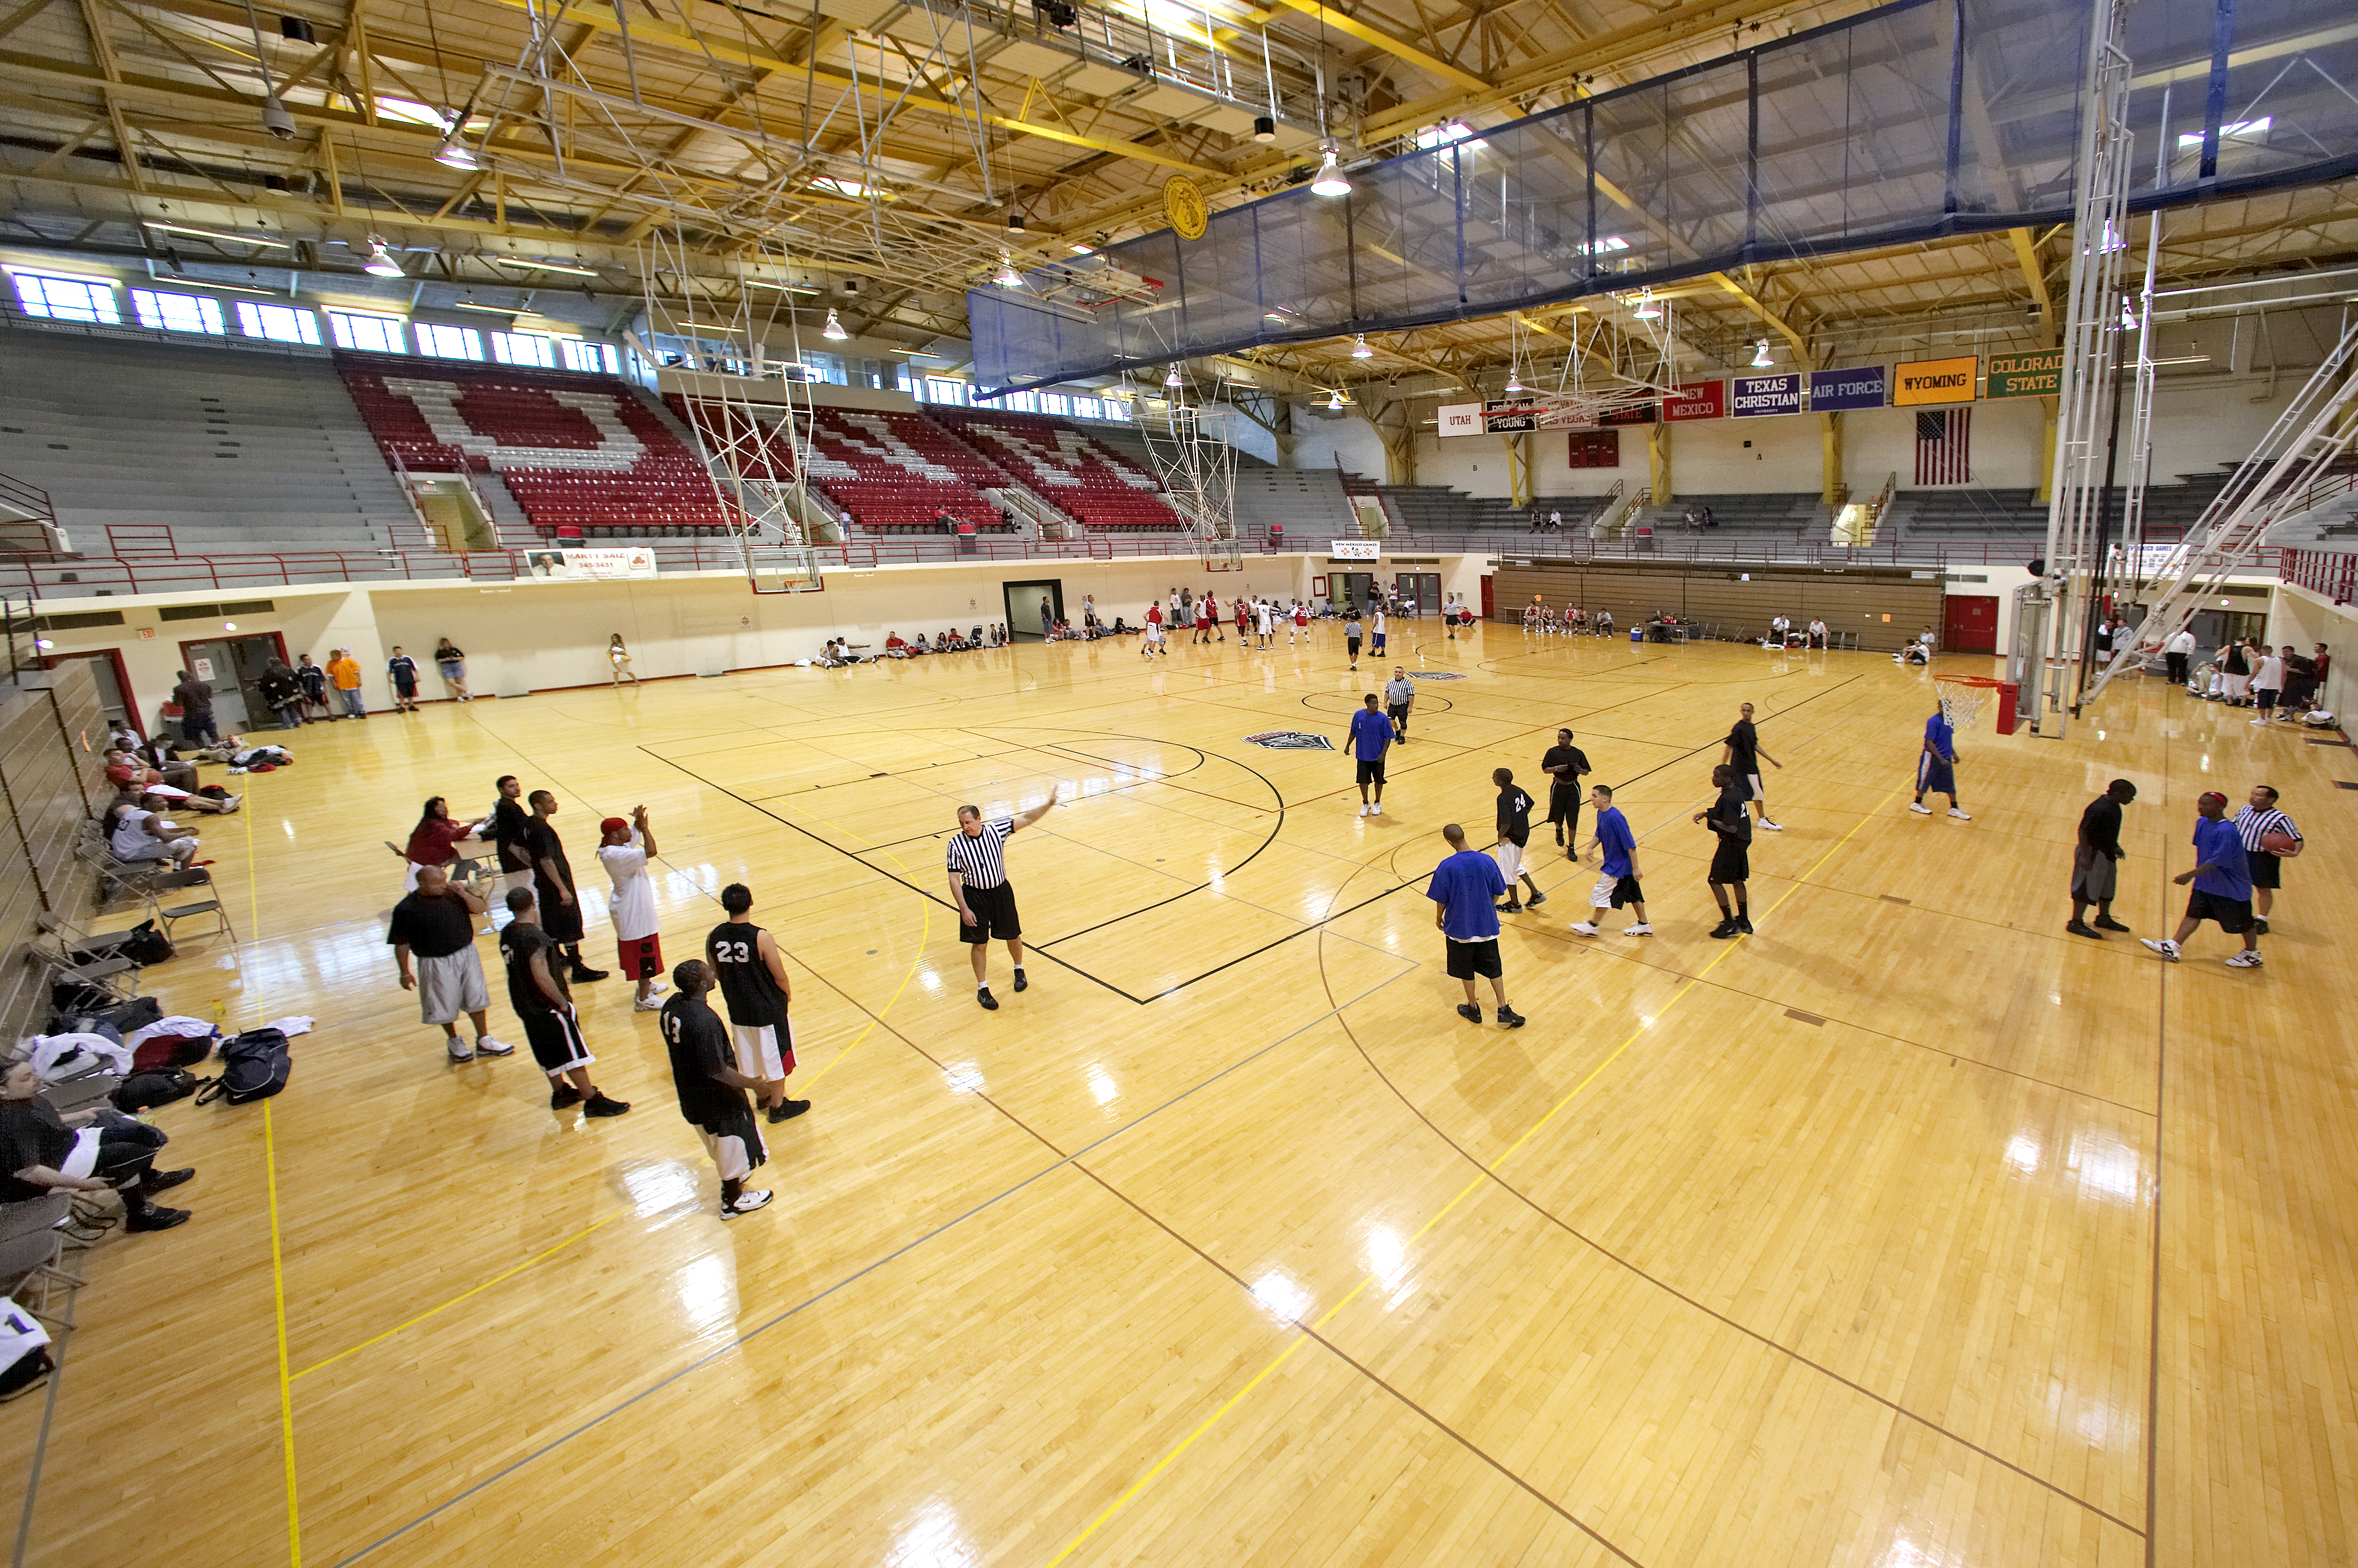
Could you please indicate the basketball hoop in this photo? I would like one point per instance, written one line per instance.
(1961, 698)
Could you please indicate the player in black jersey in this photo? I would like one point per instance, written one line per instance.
(536, 990)
(753, 977)
(711, 1091)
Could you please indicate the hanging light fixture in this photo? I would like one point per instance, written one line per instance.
(1647, 309)
(381, 263)
(1359, 350)
(1514, 382)
(1015, 222)
(454, 152)
(1007, 276)
(1264, 128)
(834, 328)
(1331, 181)
(1760, 359)
(1172, 379)
(1334, 401)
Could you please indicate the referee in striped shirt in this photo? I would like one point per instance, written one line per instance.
(981, 895)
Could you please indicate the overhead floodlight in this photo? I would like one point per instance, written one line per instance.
(1647, 309)
(1514, 382)
(834, 328)
(544, 265)
(1359, 350)
(2128, 315)
(1015, 222)
(1760, 359)
(1331, 181)
(454, 152)
(211, 234)
(1334, 402)
(1007, 276)
(1172, 379)
(381, 263)
(1264, 128)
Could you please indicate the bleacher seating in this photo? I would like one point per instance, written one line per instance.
(1799, 516)
(580, 453)
(1437, 509)
(894, 472)
(1070, 469)
(192, 446)
(767, 452)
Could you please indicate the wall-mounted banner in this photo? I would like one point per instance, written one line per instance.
(1933, 381)
(1461, 418)
(1510, 417)
(1355, 549)
(1833, 391)
(1698, 400)
(592, 566)
(1759, 395)
(2025, 375)
(1642, 414)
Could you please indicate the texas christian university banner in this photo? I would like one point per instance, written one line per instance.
(1760, 395)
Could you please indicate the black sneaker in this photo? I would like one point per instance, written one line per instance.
(989, 1003)
(786, 1111)
(1021, 984)
(2260, 927)
(164, 1181)
(584, 973)
(1469, 1012)
(1724, 929)
(564, 1095)
(1536, 900)
(599, 1105)
(1510, 907)
(1743, 923)
(2107, 923)
(155, 1217)
(1510, 1018)
(2081, 928)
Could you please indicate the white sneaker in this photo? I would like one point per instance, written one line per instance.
(747, 1202)
(1642, 928)
(1376, 809)
(1959, 815)
(1772, 827)
(1920, 808)
(657, 989)
(2165, 946)
(1584, 928)
(1363, 808)
(645, 1004)
(2249, 958)
(487, 1046)
(459, 1052)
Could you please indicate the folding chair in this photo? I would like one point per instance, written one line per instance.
(32, 1252)
(114, 976)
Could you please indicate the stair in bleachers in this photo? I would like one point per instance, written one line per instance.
(1071, 469)
(233, 453)
(581, 454)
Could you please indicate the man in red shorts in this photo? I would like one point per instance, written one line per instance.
(623, 849)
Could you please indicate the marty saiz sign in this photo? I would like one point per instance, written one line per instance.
(593, 564)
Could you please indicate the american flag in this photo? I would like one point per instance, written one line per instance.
(1944, 446)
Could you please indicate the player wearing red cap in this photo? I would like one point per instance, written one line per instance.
(623, 849)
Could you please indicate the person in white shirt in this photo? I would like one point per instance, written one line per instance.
(2178, 653)
(2267, 681)
(1261, 613)
(1375, 633)
(623, 849)
(1817, 634)
(140, 834)
(1778, 627)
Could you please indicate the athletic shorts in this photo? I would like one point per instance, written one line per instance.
(760, 1053)
(1351, 646)
(994, 914)
(1371, 772)
(1934, 776)
(1511, 863)
(556, 1041)
(1731, 862)
(1468, 960)
(1398, 715)
(1563, 804)
(642, 957)
(1612, 893)
(2094, 874)
(2267, 870)
(1377, 645)
(734, 1143)
(2235, 686)
(2234, 914)
(453, 984)
(2267, 697)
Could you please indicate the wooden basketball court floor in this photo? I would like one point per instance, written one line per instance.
(1909, 1231)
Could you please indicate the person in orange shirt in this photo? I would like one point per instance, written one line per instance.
(345, 672)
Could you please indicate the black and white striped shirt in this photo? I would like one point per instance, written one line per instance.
(2253, 824)
(976, 857)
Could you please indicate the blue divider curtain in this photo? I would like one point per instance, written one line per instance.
(1913, 121)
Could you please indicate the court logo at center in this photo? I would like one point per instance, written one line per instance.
(1434, 675)
(1289, 740)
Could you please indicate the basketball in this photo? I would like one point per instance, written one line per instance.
(2280, 843)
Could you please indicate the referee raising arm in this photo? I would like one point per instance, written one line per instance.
(981, 893)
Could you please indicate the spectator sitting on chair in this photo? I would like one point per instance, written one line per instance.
(432, 842)
(88, 1151)
(136, 832)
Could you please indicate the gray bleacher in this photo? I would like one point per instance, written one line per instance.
(234, 452)
(1934, 516)
(1437, 509)
(1308, 503)
(1775, 515)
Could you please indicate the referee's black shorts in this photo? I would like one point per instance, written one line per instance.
(994, 914)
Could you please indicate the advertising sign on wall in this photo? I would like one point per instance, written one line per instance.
(593, 564)
(1932, 382)
(1759, 395)
(1353, 550)
(1833, 391)
(1698, 400)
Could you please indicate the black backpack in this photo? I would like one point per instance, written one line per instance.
(254, 1066)
(161, 1085)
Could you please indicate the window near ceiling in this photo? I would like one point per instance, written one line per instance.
(940, 389)
(596, 357)
(65, 298)
(1022, 402)
(279, 323)
(523, 348)
(1086, 408)
(1056, 403)
(177, 312)
(377, 334)
(448, 343)
(1116, 410)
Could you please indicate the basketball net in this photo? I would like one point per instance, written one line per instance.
(1961, 698)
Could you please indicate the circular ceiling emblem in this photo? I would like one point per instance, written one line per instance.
(1184, 204)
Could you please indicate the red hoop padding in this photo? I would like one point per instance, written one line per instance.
(1967, 680)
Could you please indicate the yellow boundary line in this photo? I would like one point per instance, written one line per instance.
(278, 1252)
(1690, 984)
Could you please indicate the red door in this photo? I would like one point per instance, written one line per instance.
(1487, 607)
(1971, 623)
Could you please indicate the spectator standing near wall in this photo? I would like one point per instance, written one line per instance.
(196, 699)
(402, 670)
(2177, 654)
(314, 681)
(345, 672)
(451, 661)
(283, 693)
